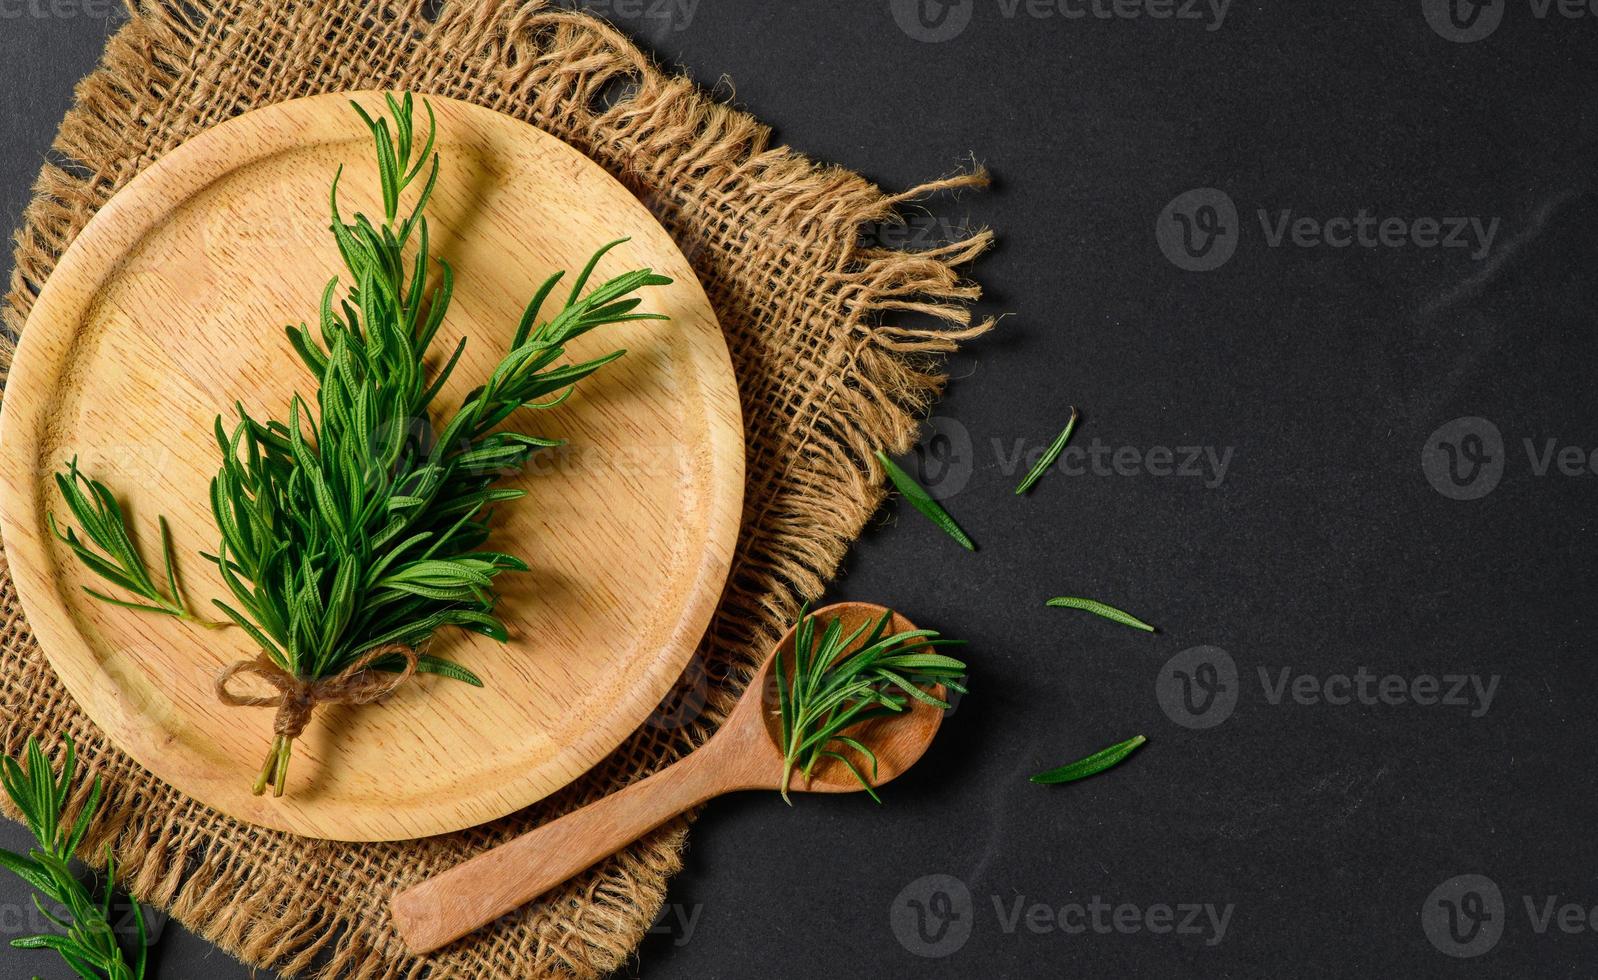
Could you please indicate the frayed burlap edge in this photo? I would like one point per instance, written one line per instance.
(826, 378)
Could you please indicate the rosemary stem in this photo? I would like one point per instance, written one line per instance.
(210, 624)
(267, 768)
(283, 766)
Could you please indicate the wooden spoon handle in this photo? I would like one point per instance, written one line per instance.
(446, 907)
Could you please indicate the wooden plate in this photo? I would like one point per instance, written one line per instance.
(171, 304)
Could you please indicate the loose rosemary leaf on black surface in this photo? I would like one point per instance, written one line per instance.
(1049, 457)
(1093, 764)
(922, 501)
(1100, 609)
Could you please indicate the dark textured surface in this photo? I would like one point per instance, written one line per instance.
(1318, 374)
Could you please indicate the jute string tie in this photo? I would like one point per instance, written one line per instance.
(296, 698)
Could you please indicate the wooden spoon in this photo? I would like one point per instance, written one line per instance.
(743, 755)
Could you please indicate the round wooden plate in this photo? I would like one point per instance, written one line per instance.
(171, 305)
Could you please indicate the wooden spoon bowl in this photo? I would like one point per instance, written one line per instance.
(899, 742)
(743, 755)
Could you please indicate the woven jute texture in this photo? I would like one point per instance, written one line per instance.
(827, 371)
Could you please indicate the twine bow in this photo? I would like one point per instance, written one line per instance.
(296, 698)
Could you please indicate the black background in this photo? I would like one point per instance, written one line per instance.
(1324, 549)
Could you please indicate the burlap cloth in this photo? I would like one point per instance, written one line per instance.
(825, 380)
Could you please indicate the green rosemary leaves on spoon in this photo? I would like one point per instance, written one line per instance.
(86, 940)
(825, 692)
(355, 530)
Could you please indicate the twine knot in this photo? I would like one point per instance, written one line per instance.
(296, 698)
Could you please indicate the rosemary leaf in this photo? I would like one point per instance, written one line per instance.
(1100, 609)
(1092, 765)
(1050, 456)
(922, 501)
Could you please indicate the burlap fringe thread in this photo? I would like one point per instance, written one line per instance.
(776, 240)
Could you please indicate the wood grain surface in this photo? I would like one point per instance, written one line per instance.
(171, 305)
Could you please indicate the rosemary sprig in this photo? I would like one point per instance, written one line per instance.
(361, 525)
(1050, 456)
(1100, 609)
(922, 501)
(87, 941)
(1092, 765)
(830, 691)
(105, 525)
(353, 531)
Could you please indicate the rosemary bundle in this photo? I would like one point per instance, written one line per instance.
(87, 940)
(826, 692)
(355, 530)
